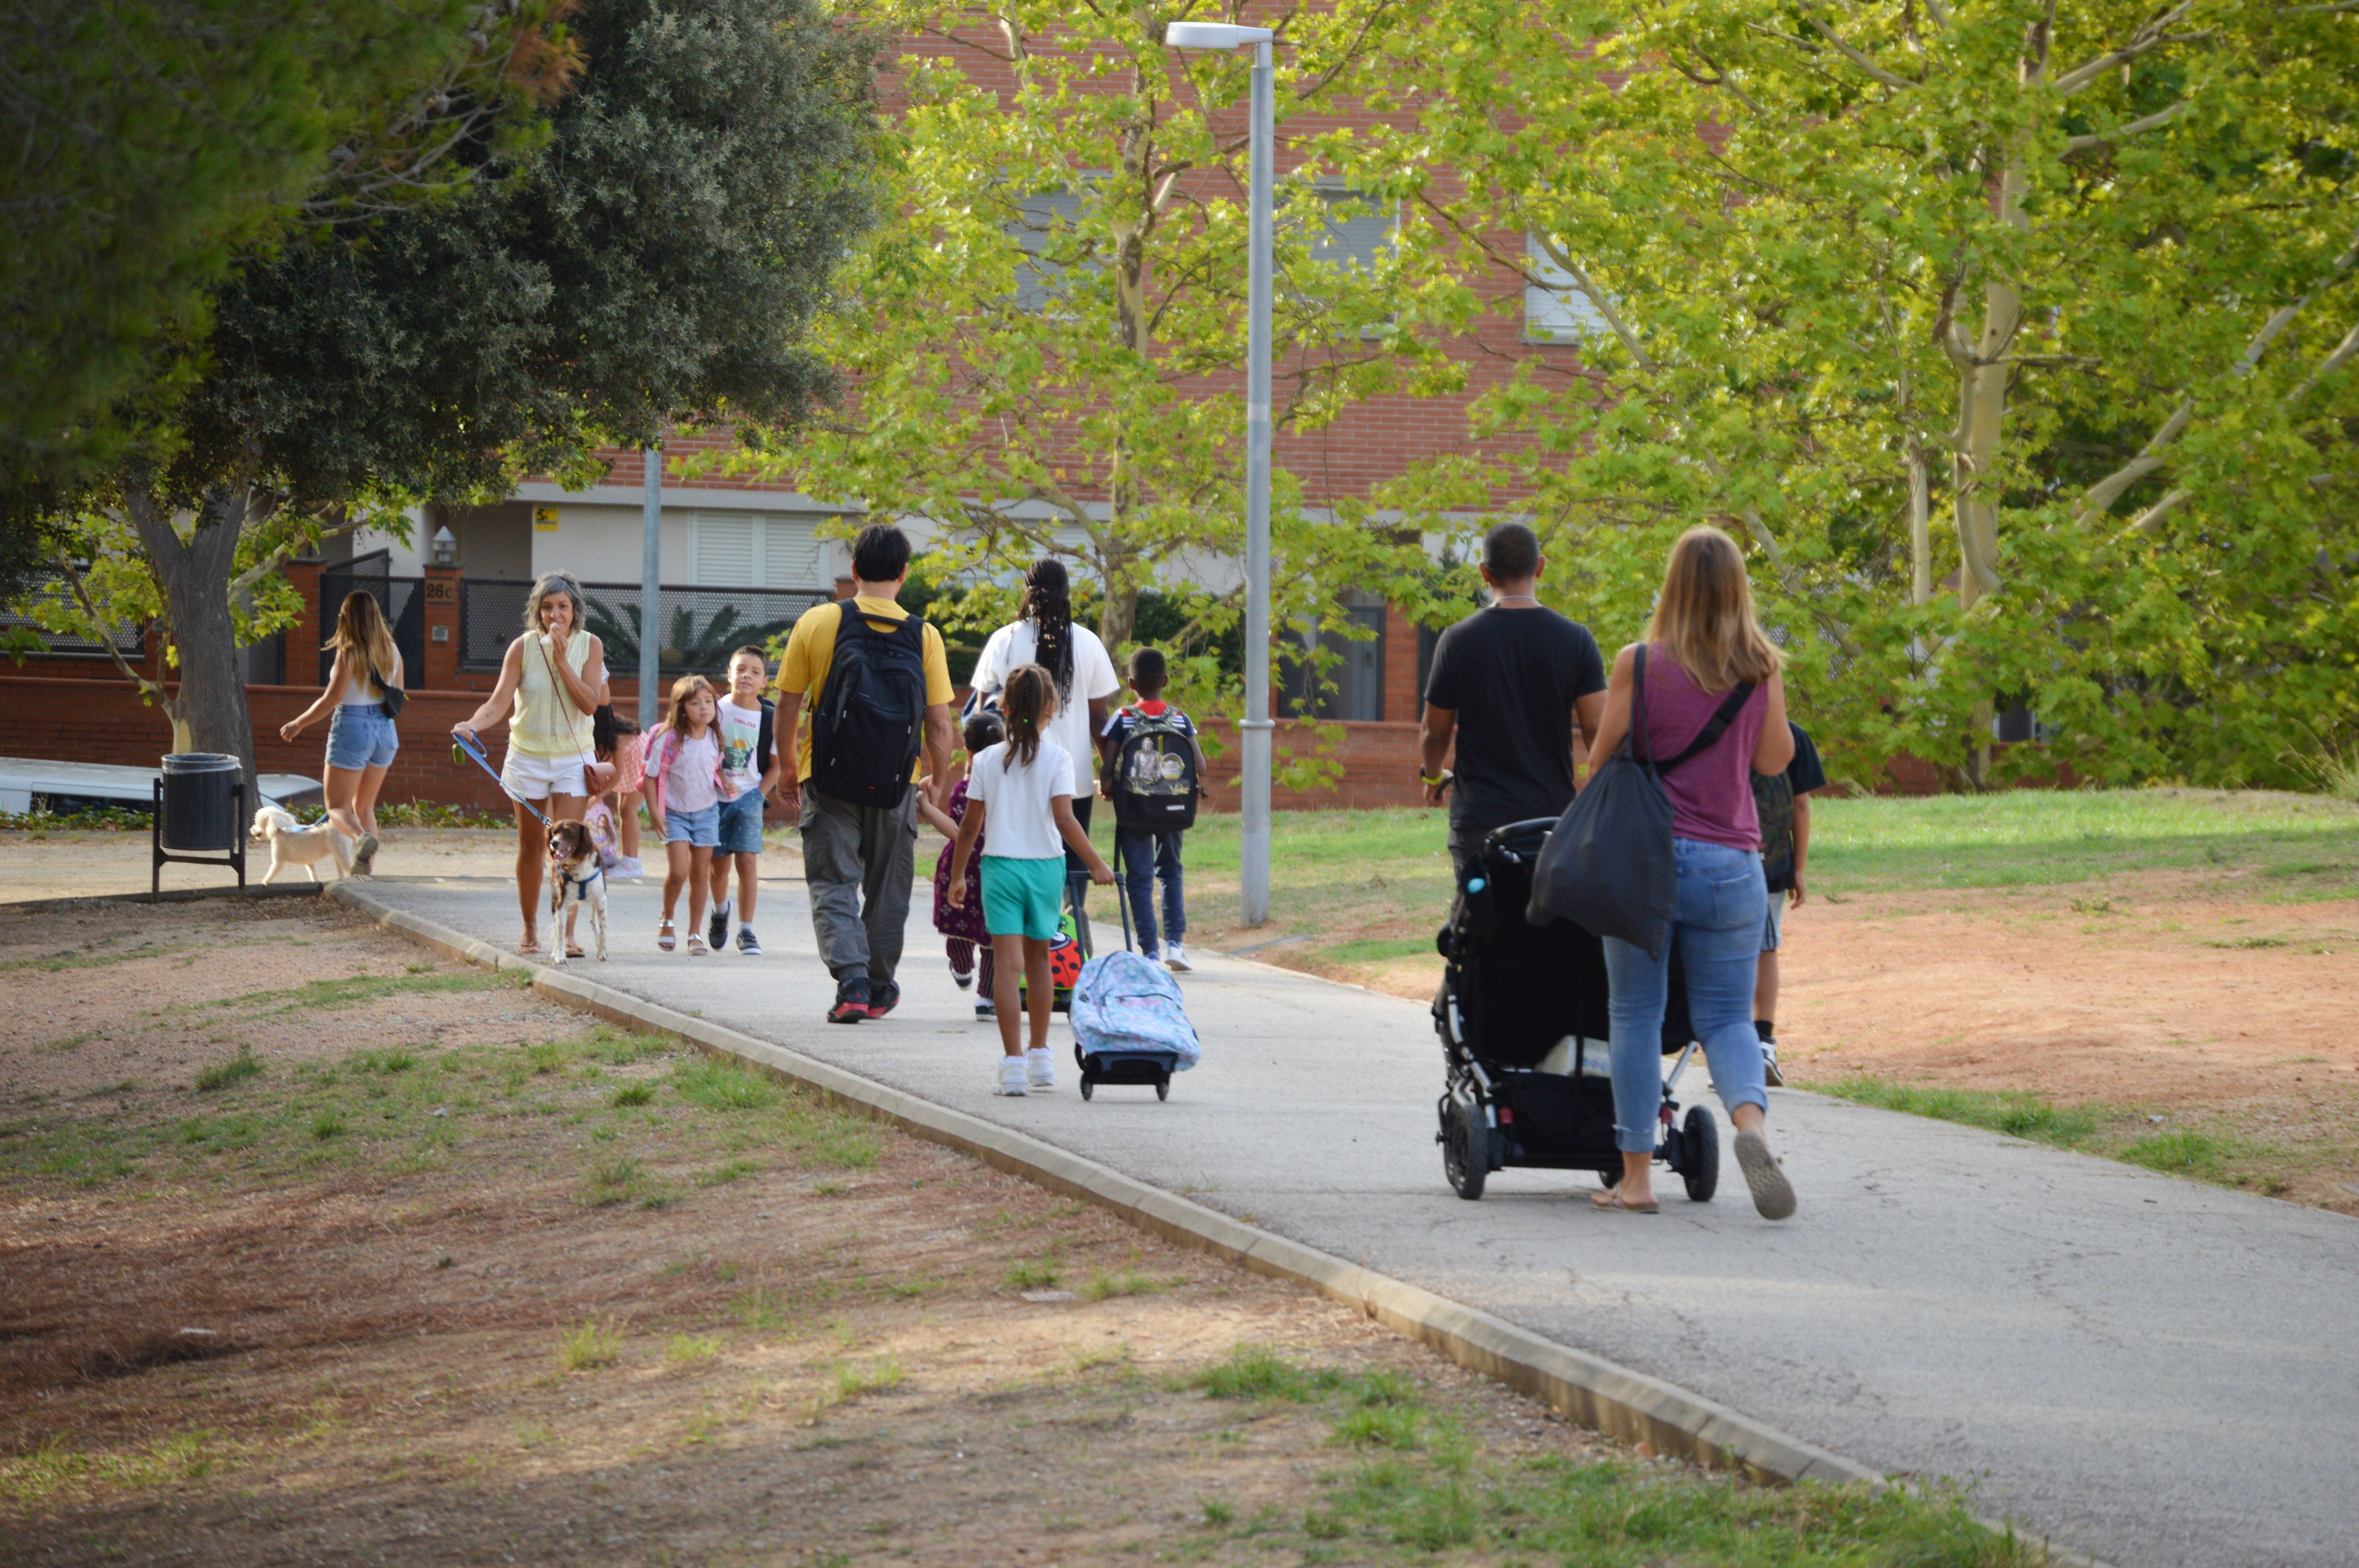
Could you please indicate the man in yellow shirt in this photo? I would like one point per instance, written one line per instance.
(859, 859)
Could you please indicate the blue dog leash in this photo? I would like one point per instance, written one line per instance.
(461, 745)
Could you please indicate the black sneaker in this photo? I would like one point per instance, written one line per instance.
(850, 1001)
(963, 978)
(747, 943)
(884, 998)
(716, 930)
(986, 1010)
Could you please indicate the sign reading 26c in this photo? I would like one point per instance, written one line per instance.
(544, 519)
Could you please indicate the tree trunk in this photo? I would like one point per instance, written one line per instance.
(1920, 528)
(208, 711)
(1117, 612)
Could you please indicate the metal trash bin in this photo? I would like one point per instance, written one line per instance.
(196, 809)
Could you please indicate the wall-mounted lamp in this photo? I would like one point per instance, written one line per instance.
(446, 547)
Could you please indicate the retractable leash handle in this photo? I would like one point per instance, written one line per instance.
(461, 746)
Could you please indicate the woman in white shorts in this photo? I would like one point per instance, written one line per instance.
(552, 680)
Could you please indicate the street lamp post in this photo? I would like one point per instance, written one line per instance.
(1254, 870)
(650, 590)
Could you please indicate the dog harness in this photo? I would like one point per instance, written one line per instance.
(581, 884)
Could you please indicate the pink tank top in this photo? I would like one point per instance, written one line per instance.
(1712, 792)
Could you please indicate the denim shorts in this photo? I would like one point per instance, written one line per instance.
(741, 825)
(697, 829)
(360, 736)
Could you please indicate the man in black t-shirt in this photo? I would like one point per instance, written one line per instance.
(1508, 684)
(1783, 803)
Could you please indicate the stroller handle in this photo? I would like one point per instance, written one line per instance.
(1498, 840)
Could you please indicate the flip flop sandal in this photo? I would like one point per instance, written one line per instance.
(573, 952)
(1612, 1203)
(664, 937)
(528, 948)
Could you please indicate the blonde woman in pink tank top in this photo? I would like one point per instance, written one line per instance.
(1701, 646)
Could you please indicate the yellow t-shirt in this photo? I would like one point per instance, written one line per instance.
(810, 648)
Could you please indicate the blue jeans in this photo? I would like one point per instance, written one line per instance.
(1724, 900)
(1146, 858)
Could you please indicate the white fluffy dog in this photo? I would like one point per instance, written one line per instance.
(292, 844)
(576, 877)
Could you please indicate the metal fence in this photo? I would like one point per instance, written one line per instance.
(401, 599)
(129, 637)
(697, 626)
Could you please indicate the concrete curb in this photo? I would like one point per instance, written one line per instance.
(1589, 1389)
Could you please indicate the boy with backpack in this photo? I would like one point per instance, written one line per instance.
(878, 682)
(750, 763)
(1153, 772)
(1783, 803)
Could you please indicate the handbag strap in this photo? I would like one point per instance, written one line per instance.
(1725, 715)
(1640, 752)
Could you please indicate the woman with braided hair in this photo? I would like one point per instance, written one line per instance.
(1084, 676)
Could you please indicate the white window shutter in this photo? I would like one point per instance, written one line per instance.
(1557, 313)
(721, 550)
(791, 554)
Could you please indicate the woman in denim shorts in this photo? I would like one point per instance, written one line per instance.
(361, 739)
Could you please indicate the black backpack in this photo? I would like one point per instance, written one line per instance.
(871, 717)
(1155, 784)
(1608, 864)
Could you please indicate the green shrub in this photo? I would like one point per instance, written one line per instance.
(237, 1069)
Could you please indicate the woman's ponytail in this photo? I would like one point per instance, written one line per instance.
(1048, 605)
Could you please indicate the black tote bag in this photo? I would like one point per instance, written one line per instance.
(1607, 865)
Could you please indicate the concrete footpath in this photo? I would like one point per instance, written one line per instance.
(2145, 1369)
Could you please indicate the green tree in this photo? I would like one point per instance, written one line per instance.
(1047, 328)
(655, 261)
(2053, 301)
(152, 143)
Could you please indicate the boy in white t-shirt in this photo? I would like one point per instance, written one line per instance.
(749, 762)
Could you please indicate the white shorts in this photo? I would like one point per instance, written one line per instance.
(537, 778)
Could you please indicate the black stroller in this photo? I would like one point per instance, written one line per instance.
(1522, 1017)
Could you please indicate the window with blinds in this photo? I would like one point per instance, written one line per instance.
(752, 549)
(1554, 310)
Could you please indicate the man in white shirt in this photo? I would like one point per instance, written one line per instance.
(1076, 661)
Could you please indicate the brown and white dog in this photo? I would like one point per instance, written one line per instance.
(292, 844)
(576, 877)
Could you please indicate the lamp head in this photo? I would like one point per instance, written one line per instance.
(1213, 35)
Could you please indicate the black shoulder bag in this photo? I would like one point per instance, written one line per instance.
(389, 696)
(1608, 866)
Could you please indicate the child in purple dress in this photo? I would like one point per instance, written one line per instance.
(962, 924)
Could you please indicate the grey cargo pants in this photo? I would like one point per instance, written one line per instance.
(858, 864)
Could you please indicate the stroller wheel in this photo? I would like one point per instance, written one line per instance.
(1465, 1150)
(1088, 1084)
(1700, 1154)
(1163, 1088)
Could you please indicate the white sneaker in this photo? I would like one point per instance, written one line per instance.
(1011, 1079)
(1175, 958)
(1039, 1069)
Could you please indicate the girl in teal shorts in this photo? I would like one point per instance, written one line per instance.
(1025, 786)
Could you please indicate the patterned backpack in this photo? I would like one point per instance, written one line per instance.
(1126, 1003)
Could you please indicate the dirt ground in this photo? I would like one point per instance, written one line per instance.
(2204, 1000)
(313, 1249)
